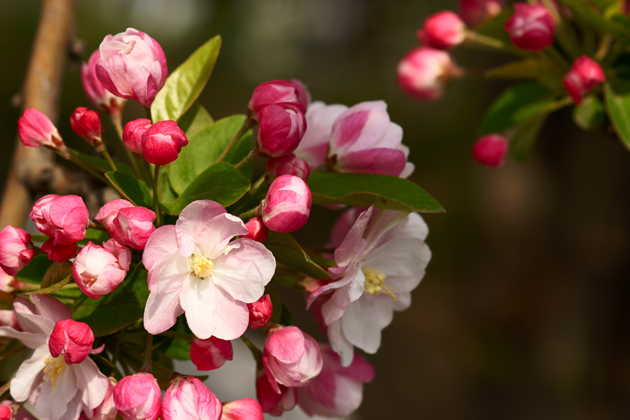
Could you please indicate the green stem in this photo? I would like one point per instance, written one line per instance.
(80, 162)
(553, 55)
(156, 196)
(255, 350)
(5, 388)
(477, 38)
(247, 124)
(147, 112)
(247, 159)
(12, 352)
(249, 214)
(116, 350)
(109, 159)
(117, 121)
(146, 367)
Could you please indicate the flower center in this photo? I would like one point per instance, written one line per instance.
(201, 266)
(375, 282)
(55, 366)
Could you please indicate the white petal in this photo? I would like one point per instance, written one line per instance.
(215, 234)
(245, 271)
(365, 319)
(53, 403)
(30, 340)
(161, 311)
(29, 375)
(91, 382)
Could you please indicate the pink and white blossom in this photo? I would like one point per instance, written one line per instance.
(64, 218)
(319, 124)
(138, 397)
(133, 132)
(287, 165)
(210, 354)
(71, 339)
(281, 128)
(188, 398)
(475, 12)
(257, 230)
(243, 409)
(364, 140)
(531, 27)
(337, 391)
(59, 253)
(290, 358)
(107, 410)
(132, 65)
(278, 91)
(162, 142)
(381, 260)
(424, 72)
(109, 211)
(260, 312)
(99, 270)
(36, 130)
(443, 30)
(96, 93)
(133, 226)
(7, 316)
(287, 205)
(272, 402)
(584, 76)
(16, 250)
(57, 390)
(196, 268)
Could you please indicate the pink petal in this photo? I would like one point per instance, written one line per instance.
(161, 311)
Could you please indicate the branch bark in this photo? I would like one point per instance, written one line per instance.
(35, 169)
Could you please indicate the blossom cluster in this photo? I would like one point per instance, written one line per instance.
(201, 274)
(548, 50)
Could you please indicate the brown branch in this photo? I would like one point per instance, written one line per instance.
(34, 169)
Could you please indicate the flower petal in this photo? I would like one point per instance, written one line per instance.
(192, 220)
(214, 235)
(161, 311)
(161, 244)
(365, 319)
(91, 383)
(29, 375)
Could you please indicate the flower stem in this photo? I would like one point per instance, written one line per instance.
(255, 350)
(156, 196)
(251, 213)
(146, 367)
(12, 352)
(484, 40)
(109, 160)
(80, 162)
(247, 124)
(147, 112)
(247, 159)
(117, 121)
(5, 388)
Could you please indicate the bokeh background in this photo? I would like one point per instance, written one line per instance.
(523, 313)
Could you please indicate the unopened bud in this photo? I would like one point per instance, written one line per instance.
(71, 339)
(257, 230)
(36, 130)
(87, 124)
(531, 27)
(287, 205)
(443, 30)
(491, 150)
(584, 76)
(260, 312)
(210, 354)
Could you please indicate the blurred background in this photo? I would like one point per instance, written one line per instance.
(523, 313)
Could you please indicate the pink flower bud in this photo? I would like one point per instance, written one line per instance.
(281, 127)
(107, 410)
(190, 399)
(133, 226)
(137, 397)
(491, 150)
(257, 230)
(132, 65)
(260, 312)
(272, 402)
(278, 91)
(109, 211)
(443, 30)
(64, 218)
(287, 205)
(98, 270)
(162, 142)
(6, 413)
(96, 93)
(210, 354)
(531, 27)
(87, 124)
(287, 165)
(475, 12)
(584, 76)
(243, 409)
(36, 130)
(133, 132)
(59, 253)
(424, 72)
(290, 358)
(16, 250)
(71, 339)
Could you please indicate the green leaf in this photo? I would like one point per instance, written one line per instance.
(221, 182)
(167, 194)
(288, 252)
(95, 236)
(178, 347)
(184, 85)
(515, 105)
(584, 13)
(195, 120)
(590, 113)
(130, 188)
(204, 149)
(57, 272)
(618, 107)
(494, 27)
(384, 191)
(101, 164)
(524, 137)
(6, 301)
(529, 68)
(114, 311)
(35, 271)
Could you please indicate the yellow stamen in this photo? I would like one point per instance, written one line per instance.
(201, 266)
(375, 282)
(55, 366)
